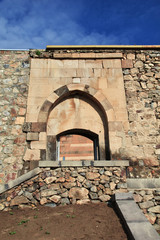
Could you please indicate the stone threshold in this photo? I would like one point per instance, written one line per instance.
(19, 180)
(143, 183)
(85, 163)
(137, 225)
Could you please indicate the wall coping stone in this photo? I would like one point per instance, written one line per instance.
(146, 183)
(24, 177)
(137, 225)
(51, 47)
(85, 163)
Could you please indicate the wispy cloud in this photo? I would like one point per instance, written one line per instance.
(37, 23)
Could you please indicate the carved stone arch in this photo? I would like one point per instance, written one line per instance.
(66, 90)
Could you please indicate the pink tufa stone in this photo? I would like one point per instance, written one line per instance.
(78, 193)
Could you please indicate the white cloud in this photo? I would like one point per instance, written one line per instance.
(33, 24)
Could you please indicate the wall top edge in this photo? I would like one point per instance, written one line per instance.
(52, 47)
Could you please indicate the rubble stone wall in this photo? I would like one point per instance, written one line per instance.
(61, 186)
(141, 70)
(14, 80)
(149, 202)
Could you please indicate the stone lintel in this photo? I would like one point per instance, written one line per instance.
(90, 55)
(19, 180)
(85, 163)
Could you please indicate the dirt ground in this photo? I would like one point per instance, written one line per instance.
(71, 222)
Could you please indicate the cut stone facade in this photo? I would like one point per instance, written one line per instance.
(111, 96)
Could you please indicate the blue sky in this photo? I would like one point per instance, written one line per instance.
(36, 23)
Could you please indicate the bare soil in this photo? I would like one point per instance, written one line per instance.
(71, 222)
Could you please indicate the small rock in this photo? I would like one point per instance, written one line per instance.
(92, 176)
(65, 194)
(80, 178)
(147, 204)
(137, 198)
(48, 192)
(104, 198)
(43, 201)
(55, 198)
(65, 201)
(83, 201)
(19, 200)
(155, 209)
(151, 217)
(93, 195)
(93, 189)
(78, 193)
(112, 185)
(61, 180)
(1, 206)
(49, 180)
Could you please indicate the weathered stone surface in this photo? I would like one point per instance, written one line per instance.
(91, 175)
(151, 217)
(32, 136)
(104, 198)
(147, 204)
(48, 192)
(78, 193)
(83, 201)
(155, 209)
(55, 198)
(32, 154)
(49, 180)
(2, 206)
(18, 200)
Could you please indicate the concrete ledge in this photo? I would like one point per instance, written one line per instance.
(85, 163)
(19, 180)
(143, 183)
(137, 225)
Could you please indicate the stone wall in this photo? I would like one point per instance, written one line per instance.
(141, 70)
(139, 142)
(14, 80)
(62, 186)
(149, 201)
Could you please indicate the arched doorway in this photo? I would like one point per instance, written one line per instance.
(78, 110)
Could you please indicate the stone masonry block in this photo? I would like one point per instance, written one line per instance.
(27, 127)
(32, 154)
(38, 145)
(38, 127)
(127, 63)
(62, 90)
(32, 136)
(46, 106)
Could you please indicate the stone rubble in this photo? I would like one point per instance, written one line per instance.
(149, 202)
(63, 186)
